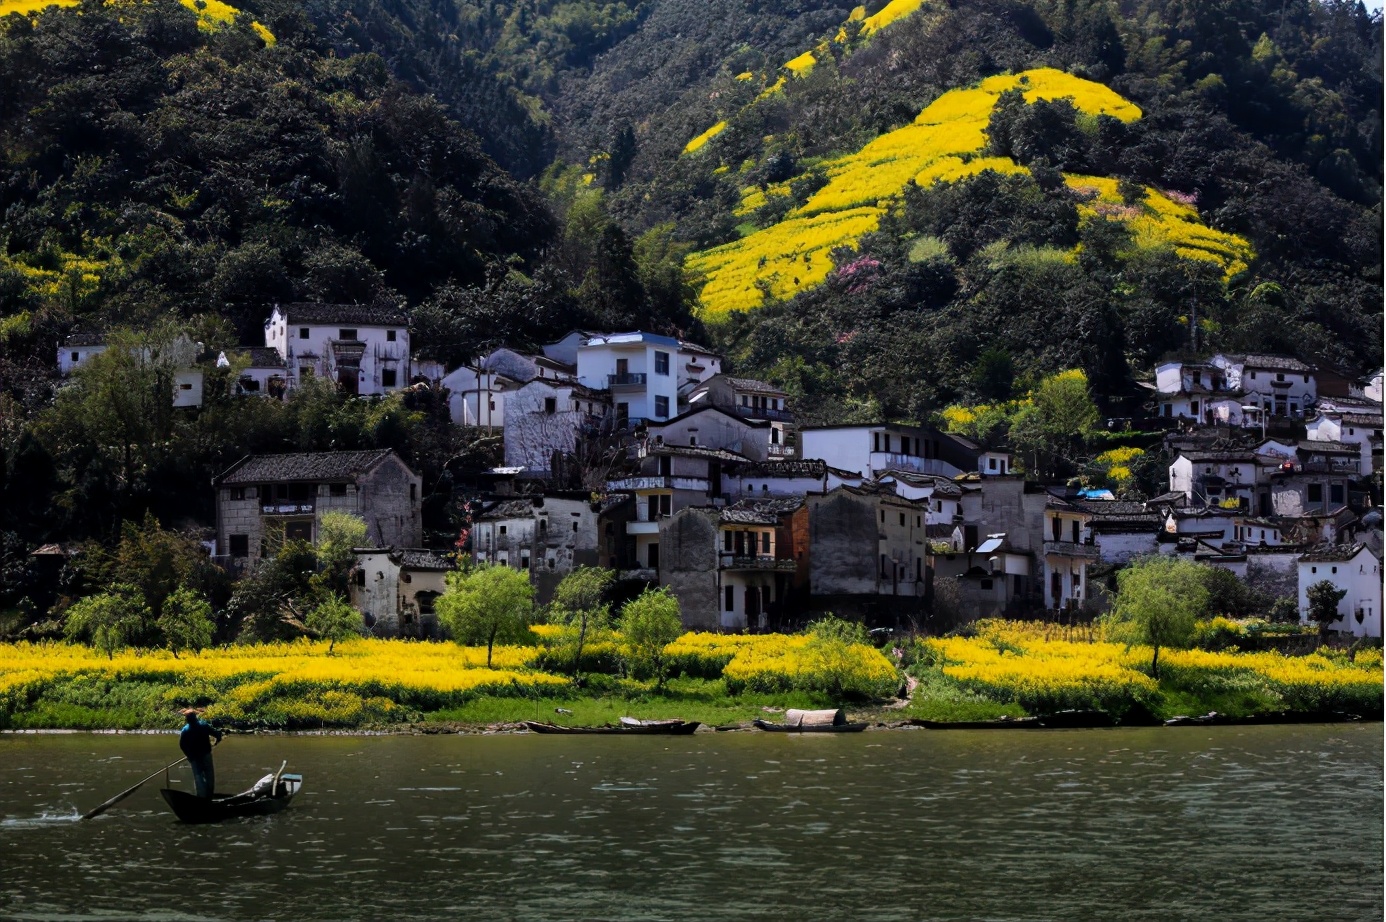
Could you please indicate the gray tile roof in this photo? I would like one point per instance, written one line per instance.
(380, 315)
(423, 560)
(322, 465)
(85, 339)
(1278, 362)
(1362, 419)
(1332, 553)
(751, 384)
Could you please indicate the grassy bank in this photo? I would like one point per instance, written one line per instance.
(1004, 669)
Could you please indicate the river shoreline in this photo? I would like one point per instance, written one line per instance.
(454, 728)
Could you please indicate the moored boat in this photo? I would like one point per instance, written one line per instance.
(629, 726)
(270, 794)
(810, 728)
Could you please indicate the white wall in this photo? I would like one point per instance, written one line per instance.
(1361, 577)
(69, 357)
(283, 333)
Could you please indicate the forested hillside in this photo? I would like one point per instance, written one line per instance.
(1032, 186)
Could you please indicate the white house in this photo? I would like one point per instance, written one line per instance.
(787, 478)
(874, 448)
(182, 352)
(1352, 568)
(263, 374)
(546, 416)
(78, 348)
(1215, 477)
(643, 371)
(754, 400)
(1284, 386)
(364, 348)
(1361, 429)
(709, 426)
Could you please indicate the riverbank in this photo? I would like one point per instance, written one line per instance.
(1006, 670)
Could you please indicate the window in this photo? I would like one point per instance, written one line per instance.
(1315, 492)
(237, 494)
(661, 363)
(240, 545)
(346, 334)
(765, 542)
(391, 335)
(727, 541)
(524, 561)
(302, 332)
(77, 357)
(730, 599)
(882, 516)
(902, 518)
(652, 556)
(662, 407)
(336, 489)
(389, 377)
(875, 441)
(502, 529)
(991, 464)
(1335, 493)
(986, 585)
(550, 405)
(1280, 377)
(413, 492)
(543, 526)
(883, 566)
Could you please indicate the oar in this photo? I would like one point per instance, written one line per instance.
(128, 791)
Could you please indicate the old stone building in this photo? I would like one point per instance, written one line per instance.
(547, 535)
(263, 498)
(395, 590)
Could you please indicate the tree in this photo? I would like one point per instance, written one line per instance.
(1060, 417)
(334, 619)
(649, 623)
(1158, 603)
(338, 533)
(109, 620)
(186, 621)
(1323, 603)
(486, 604)
(579, 605)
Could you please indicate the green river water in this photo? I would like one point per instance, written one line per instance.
(1225, 823)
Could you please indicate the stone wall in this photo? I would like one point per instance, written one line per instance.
(688, 566)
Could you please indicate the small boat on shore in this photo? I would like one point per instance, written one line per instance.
(270, 794)
(810, 728)
(825, 721)
(629, 726)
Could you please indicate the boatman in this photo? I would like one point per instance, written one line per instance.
(196, 743)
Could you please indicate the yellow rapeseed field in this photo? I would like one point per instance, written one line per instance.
(943, 144)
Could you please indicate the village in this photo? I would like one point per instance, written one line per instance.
(637, 453)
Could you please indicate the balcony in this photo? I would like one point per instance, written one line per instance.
(1069, 549)
(783, 451)
(643, 527)
(637, 484)
(733, 562)
(885, 461)
(288, 507)
(1332, 467)
(627, 379)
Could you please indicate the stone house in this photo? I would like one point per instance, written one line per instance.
(547, 419)
(753, 400)
(865, 542)
(362, 348)
(992, 579)
(263, 497)
(1281, 385)
(714, 427)
(1357, 571)
(182, 353)
(547, 535)
(1355, 428)
(396, 589)
(766, 479)
(263, 372)
(731, 568)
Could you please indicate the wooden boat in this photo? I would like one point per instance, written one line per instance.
(629, 726)
(810, 728)
(270, 794)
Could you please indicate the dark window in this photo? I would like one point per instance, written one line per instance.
(302, 332)
(1335, 493)
(1315, 492)
(413, 492)
(550, 405)
(730, 603)
(986, 584)
(653, 556)
(662, 407)
(76, 357)
(240, 545)
(389, 377)
(337, 489)
(360, 577)
(391, 335)
(543, 526)
(902, 518)
(727, 541)
(346, 334)
(237, 493)
(185, 387)
(502, 529)
(765, 542)
(661, 363)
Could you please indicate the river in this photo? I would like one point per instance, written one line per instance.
(1228, 823)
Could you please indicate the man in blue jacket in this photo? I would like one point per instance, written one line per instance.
(196, 743)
